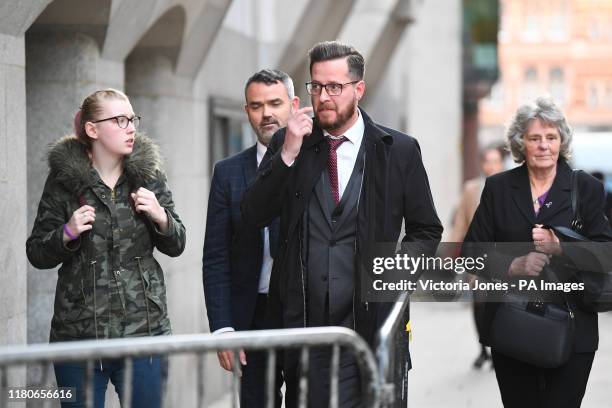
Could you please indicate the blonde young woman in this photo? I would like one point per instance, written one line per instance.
(104, 209)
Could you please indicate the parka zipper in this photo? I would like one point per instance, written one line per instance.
(92, 269)
(304, 311)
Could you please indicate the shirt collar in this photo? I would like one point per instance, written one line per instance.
(261, 151)
(355, 133)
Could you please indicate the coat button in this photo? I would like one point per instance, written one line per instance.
(117, 273)
(324, 278)
(332, 243)
(103, 196)
(298, 194)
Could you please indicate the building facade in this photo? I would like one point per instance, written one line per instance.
(562, 48)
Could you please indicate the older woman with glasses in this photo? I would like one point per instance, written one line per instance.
(104, 208)
(516, 206)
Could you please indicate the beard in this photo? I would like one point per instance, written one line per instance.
(263, 135)
(342, 117)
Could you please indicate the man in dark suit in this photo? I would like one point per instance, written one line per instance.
(340, 185)
(238, 258)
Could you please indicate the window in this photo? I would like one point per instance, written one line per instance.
(531, 22)
(557, 23)
(557, 85)
(593, 28)
(608, 95)
(592, 98)
(530, 84)
(230, 131)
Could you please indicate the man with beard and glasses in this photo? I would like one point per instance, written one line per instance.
(341, 184)
(238, 259)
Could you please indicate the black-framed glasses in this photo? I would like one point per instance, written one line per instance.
(332, 89)
(122, 121)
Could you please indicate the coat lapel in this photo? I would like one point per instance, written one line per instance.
(376, 174)
(323, 197)
(249, 165)
(522, 193)
(313, 161)
(309, 165)
(558, 197)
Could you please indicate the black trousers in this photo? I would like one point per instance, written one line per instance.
(254, 374)
(319, 373)
(319, 379)
(523, 385)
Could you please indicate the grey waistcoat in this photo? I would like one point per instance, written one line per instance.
(330, 247)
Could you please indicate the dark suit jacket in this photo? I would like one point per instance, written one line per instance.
(506, 214)
(395, 189)
(233, 252)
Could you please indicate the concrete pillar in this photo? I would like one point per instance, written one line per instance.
(13, 306)
(320, 21)
(433, 97)
(174, 117)
(62, 68)
(386, 21)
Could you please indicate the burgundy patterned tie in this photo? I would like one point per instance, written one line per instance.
(332, 165)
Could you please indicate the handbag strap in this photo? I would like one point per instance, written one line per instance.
(552, 276)
(577, 223)
(576, 226)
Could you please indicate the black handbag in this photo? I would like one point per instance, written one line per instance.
(535, 332)
(597, 284)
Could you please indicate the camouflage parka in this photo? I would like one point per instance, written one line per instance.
(109, 284)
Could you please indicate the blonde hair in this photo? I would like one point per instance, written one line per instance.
(90, 109)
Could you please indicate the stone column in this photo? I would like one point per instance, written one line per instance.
(13, 303)
(433, 95)
(175, 118)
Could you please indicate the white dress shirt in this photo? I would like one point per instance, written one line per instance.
(266, 266)
(347, 152)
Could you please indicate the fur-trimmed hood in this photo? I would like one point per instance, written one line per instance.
(70, 165)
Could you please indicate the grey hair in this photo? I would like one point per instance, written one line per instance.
(270, 77)
(544, 109)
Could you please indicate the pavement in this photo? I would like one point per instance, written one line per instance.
(444, 347)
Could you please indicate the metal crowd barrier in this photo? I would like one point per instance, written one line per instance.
(384, 381)
(392, 355)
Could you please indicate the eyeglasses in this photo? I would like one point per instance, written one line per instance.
(332, 89)
(122, 121)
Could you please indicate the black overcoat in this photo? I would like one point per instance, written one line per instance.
(506, 214)
(395, 188)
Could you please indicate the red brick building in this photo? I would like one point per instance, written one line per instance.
(558, 47)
